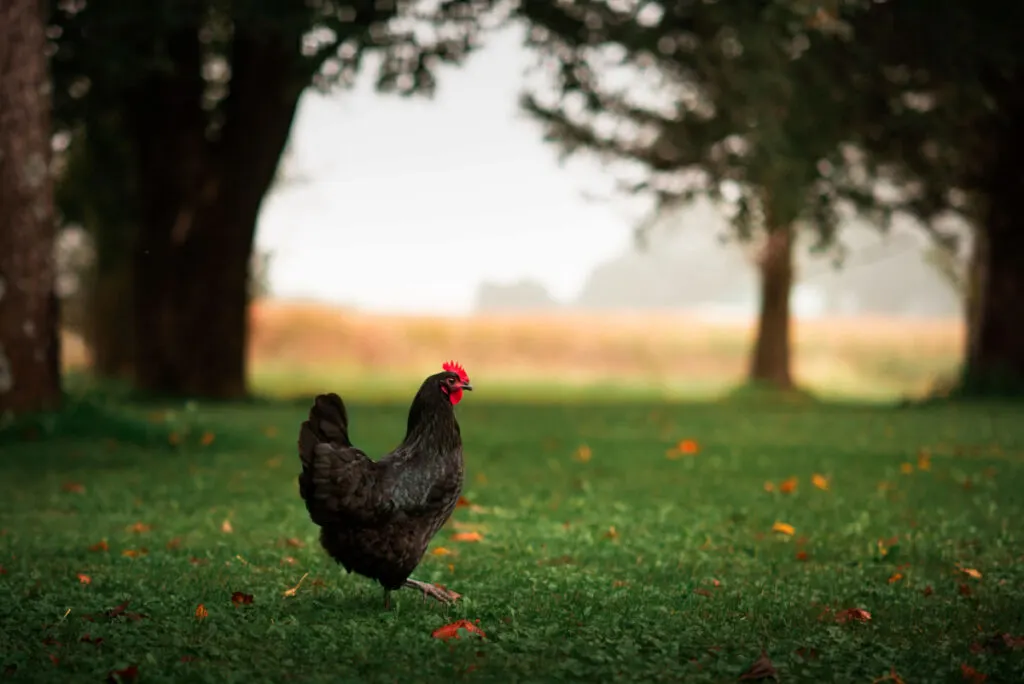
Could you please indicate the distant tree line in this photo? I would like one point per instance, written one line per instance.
(159, 128)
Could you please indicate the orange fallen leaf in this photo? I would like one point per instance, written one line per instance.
(467, 537)
(139, 528)
(462, 502)
(788, 486)
(73, 487)
(688, 447)
(294, 543)
(207, 438)
(890, 676)
(226, 527)
(201, 612)
(441, 551)
(101, 545)
(452, 630)
(853, 615)
(288, 560)
(895, 577)
(293, 590)
(128, 674)
(924, 460)
(174, 439)
(241, 599)
(134, 553)
(769, 486)
(275, 462)
(970, 572)
(583, 454)
(819, 481)
(928, 591)
(95, 641)
(612, 533)
(906, 468)
(84, 579)
(174, 544)
(964, 590)
(972, 675)
(270, 431)
(783, 528)
(802, 556)
(761, 669)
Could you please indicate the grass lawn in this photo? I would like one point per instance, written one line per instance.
(621, 561)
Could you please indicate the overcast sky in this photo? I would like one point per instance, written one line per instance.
(406, 205)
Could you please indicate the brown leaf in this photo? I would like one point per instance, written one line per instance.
(207, 439)
(964, 589)
(783, 528)
(84, 579)
(970, 572)
(201, 612)
(293, 590)
(198, 561)
(820, 481)
(101, 545)
(73, 487)
(583, 454)
(467, 537)
(853, 615)
(761, 669)
(294, 543)
(288, 560)
(802, 556)
(972, 675)
(895, 577)
(174, 544)
(890, 676)
(270, 431)
(139, 528)
(226, 527)
(441, 551)
(788, 486)
(135, 553)
(462, 502)
(928, 591)
(612, 533)
(128, 674)
(95, 641)
(240, 599)
(689, 447)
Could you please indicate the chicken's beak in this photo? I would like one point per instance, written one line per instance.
(466, 386)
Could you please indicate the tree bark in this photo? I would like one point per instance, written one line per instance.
(201, 202)
(29, 339)
(770, 363)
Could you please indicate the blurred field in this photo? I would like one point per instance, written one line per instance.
(298, 348)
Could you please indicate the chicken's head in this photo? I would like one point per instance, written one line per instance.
(453, 381)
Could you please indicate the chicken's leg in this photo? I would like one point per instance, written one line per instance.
(433, 591)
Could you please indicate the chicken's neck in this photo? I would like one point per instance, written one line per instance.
(432, 421)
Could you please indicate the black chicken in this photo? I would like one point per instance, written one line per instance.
(376, 518)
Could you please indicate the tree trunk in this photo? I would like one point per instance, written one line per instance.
(770, 364)
(29, 339)
(201, 202)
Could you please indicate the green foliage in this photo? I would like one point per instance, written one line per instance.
(723, 99)
(559, 596)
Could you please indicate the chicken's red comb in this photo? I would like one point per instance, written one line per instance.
(453, 367)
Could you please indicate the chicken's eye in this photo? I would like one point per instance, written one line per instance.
(451, 381)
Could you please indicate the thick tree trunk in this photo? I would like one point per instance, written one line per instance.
(29, 340)
(201, 202)
(770, 363)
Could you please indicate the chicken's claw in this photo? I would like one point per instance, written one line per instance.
(434, 591)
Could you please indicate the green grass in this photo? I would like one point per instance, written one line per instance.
(692, 585)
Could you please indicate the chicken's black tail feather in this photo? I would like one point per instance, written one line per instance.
(327, 424)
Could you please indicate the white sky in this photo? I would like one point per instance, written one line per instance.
(405, 205)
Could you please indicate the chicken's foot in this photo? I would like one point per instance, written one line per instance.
(433, 591)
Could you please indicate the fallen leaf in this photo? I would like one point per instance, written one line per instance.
(970, 572)
(462, 502)
(761, 669)
(612, 533)
(441, 551)
(467, 537)
(275, 462)
(583, 454)
(820, 481)
(688, 447)
(54, 659)
(895, 577)
(928, 591)
(924, 460)
(783, 528)
(288, 560)
(139, 528)
(853, 615)
(270, 431)
(972, 675)
(101, 545)
(201, 612)
(964, 590)
(73, 487)
(226, 527)
(128, 674)
(769, 486)
(84, 579)
(174, 439)
(294, 543)
(174, 544)
(207, 439)
(452, 630)
(95, 641)
(788, 486)
(890, 676)
(134, 553)
(3, 570)
(906, 468)
(241, 599)
(292, 590)
(802, 556)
